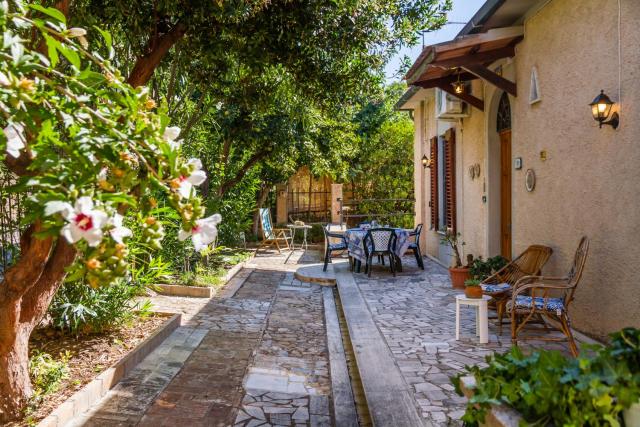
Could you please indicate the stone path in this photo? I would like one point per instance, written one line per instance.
(253, 357)
(415, 312)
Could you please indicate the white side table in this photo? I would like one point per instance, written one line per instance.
(304, 228)
(482, 317)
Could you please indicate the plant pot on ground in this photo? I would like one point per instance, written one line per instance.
(472, 288)
(458, 273)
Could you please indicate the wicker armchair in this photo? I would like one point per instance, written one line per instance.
(538, 297)
(499, 285)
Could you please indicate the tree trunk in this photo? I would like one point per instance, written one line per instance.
(26, 293)
(15, 385)
(158, 48)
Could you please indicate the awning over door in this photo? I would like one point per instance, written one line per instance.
(466, 58)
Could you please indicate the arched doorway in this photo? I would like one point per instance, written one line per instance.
(503, 128)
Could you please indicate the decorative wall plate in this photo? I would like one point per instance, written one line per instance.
(530, 180)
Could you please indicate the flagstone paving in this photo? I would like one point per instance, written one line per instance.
(415, 312)
(256, 354)
(254, 357)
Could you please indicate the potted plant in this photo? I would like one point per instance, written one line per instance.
(472, 288)
(457, 272)
(481, 269)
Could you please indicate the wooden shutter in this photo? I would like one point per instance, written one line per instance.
(450, 178)
(433, 203)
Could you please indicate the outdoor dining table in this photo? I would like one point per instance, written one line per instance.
(355, 243)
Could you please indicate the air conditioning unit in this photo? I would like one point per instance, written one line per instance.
(450, 107)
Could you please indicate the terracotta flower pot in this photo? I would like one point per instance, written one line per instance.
(458, 276)
(473, 291)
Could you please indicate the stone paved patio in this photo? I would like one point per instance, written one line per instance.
(254, 357)
(256, 354)
(415, 312)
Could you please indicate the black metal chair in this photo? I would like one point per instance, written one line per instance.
(341, 245)
(415, 246)
(380, 241)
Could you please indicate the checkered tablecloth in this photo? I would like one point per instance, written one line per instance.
(355, 239)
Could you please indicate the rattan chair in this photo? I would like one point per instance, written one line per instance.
(380, 242)
(547, 298)
(499, 285)
(340, 245)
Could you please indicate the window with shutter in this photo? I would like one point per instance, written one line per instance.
(433, 203)
(450, 179)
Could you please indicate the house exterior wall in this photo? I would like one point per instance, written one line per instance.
(589, 183)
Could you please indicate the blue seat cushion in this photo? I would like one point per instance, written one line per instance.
(552, 304)
(337, 246)
(495, 288)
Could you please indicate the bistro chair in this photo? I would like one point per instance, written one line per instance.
(499, 285)
(340, 245)
(381, 242)
(273, 236)
(415, 245)
(547, 298)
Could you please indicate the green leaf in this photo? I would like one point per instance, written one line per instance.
(71, 55)
(52, 49)
(50, 11)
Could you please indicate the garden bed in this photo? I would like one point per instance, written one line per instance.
(207, 279)
(90, 355)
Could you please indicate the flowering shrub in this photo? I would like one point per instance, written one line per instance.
(87, 146)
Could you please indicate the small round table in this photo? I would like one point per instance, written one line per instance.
(482, 317)
(304, 228)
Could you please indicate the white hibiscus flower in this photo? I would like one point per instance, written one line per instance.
(184, 184)
(83, 221)
(204, 233)
(15, 139)
(170, 135)
(118, 232)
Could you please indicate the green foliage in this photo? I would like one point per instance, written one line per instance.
(472, 282)
(382, 165)
(211, 269)
(481, 269)
(77, 308)
(84, 143)
(47, 373)
(547, 388)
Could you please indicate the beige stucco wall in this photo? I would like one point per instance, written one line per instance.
(589, 184)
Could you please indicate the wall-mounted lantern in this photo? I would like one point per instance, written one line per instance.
(426, 162)
(458, 87)
(601, 110)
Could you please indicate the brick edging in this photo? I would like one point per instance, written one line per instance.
(84, 398)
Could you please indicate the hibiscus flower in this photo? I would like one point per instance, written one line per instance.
(118, 232)
(170, 135)
(15, 139)
(83, 221)
(184, 184)
(205, 232)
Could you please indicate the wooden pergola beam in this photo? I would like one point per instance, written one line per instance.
(470, 99)
(493, 78)
(476, 57)
(428, 84)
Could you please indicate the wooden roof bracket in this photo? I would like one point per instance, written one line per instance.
(470, 99)
(493, 78)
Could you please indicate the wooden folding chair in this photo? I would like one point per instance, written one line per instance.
(273, 236)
